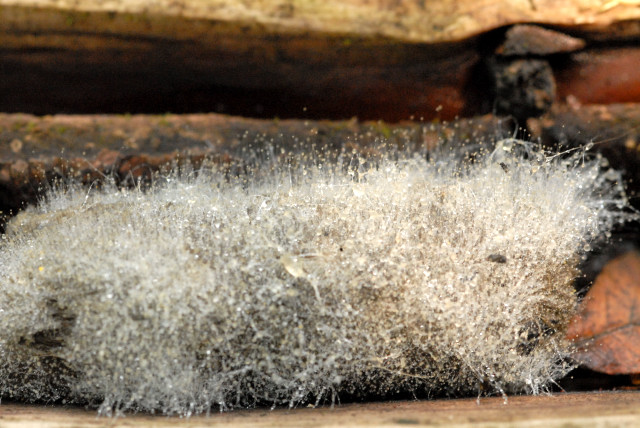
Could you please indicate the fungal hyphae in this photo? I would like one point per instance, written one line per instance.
(315, 280)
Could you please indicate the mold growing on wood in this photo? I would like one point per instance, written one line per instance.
(302, 279)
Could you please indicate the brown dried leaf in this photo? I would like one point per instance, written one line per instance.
(606, 330)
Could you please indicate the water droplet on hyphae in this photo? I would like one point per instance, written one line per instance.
(506, 144)
(293, 265)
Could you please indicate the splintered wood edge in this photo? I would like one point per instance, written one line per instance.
(559, 410)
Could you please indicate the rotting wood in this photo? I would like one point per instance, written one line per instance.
(37, 150)
(102, 62)
(583, 76)
(377, 60)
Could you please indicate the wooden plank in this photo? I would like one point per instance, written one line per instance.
(621, 408)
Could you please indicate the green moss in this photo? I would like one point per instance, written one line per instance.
(17, 126)
(31, 126)
(61, 129)
(384, 129)
(163, 120)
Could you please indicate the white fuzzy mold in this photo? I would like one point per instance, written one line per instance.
(206, 292)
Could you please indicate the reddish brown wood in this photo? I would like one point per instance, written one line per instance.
(600, 76)
(373, 60)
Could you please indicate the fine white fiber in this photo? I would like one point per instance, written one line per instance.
(315, 280)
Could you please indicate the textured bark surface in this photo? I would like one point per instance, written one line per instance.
(35, 151)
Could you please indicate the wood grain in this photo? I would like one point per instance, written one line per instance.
(559, 410)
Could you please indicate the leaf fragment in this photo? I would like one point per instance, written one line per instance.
(606, 329)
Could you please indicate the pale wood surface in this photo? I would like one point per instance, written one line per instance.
(415, 20)
(605, 409)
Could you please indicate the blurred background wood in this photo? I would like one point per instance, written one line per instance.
(391, 60)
